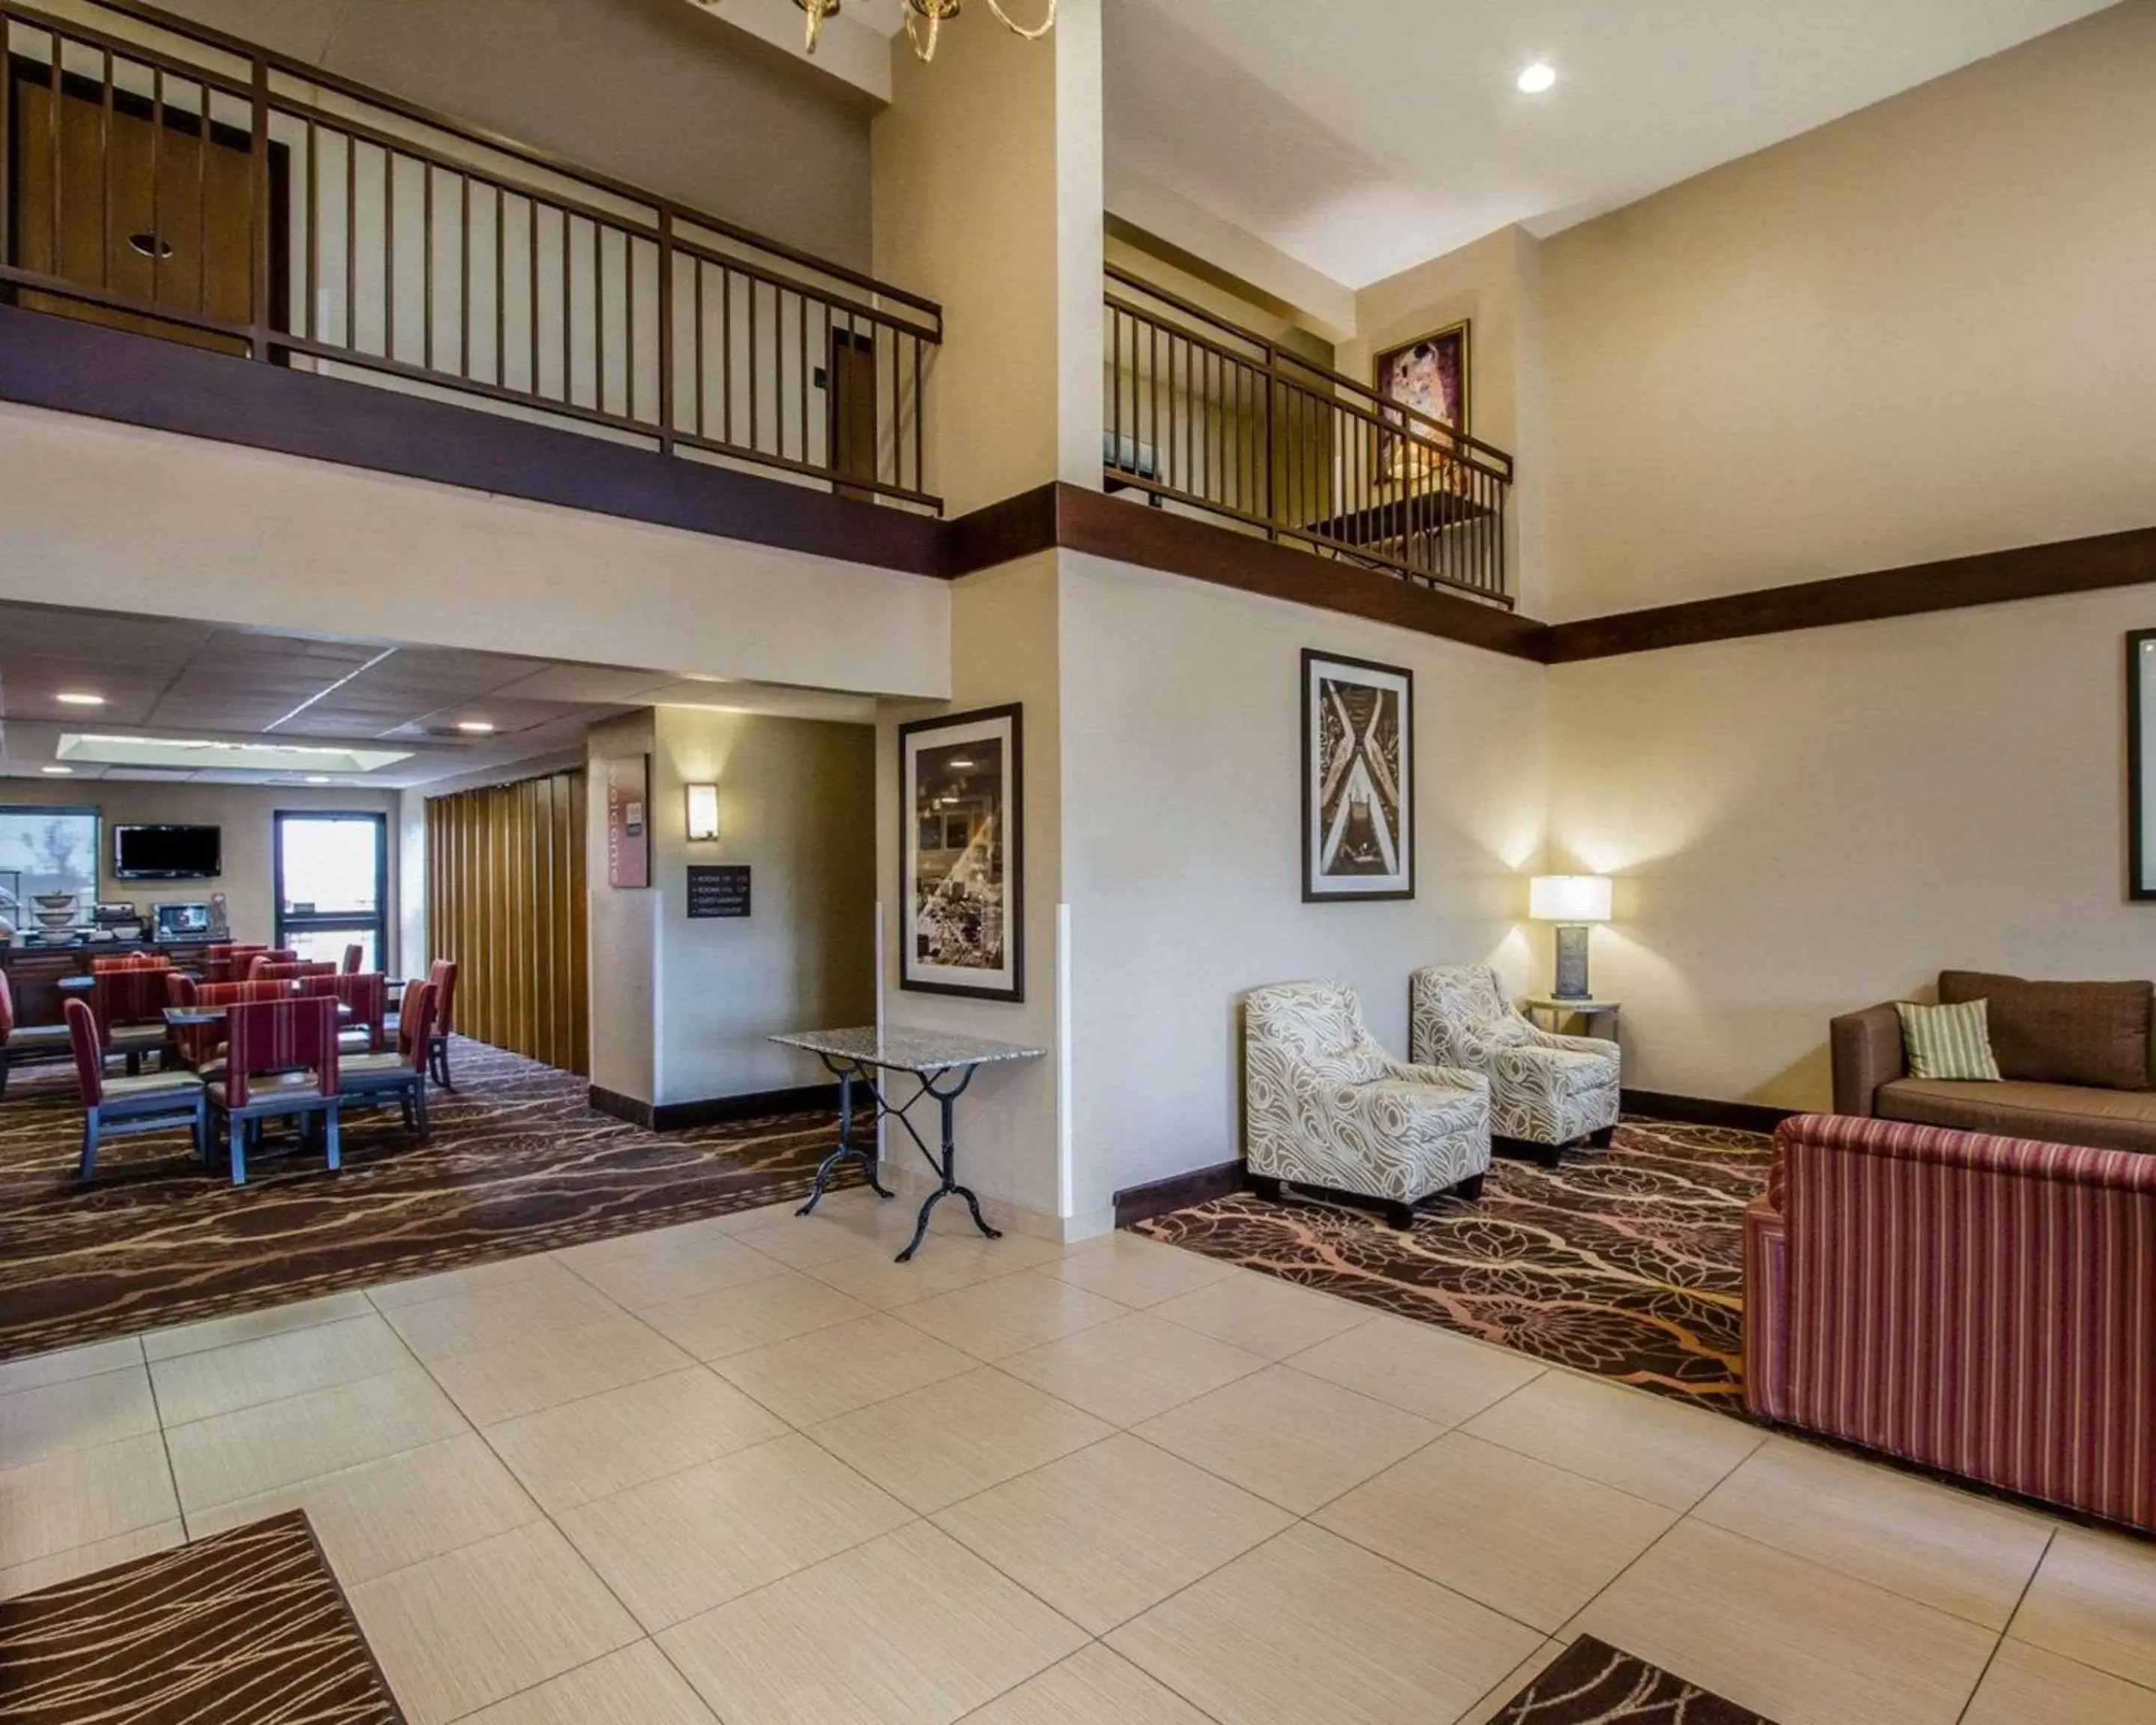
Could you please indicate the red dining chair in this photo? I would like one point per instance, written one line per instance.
(203, 1045)
(123, 1107)
(267, 969)
(25, 1042)
(128, 1003)
(372, 1078)
(230, 963)
(442, 979)
(355, 955)
(366, 996)
(280, 1059)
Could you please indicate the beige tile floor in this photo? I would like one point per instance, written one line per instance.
(748, 1471)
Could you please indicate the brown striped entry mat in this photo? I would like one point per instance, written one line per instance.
(243, 1628)
(1594, 1684)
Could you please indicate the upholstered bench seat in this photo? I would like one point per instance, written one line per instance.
(2079, 1113)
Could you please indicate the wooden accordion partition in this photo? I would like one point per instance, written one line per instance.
(505, 899)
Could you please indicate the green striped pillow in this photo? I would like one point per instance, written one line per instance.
(1948, 1041)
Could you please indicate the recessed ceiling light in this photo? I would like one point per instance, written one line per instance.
(318, 779)
(58, 771)
(72, 697)
(475, 727)
(1538, 77)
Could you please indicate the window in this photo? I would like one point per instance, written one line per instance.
(333, 880)
(45, 850)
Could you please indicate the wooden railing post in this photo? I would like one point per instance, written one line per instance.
(258, 131)
(665, 330)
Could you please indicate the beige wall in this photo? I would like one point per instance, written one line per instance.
(121, 519)
(1004, 647)
(795, 806)
(1809, 823)
(246, 813)
(987, 182)
(1920, 331)
(1181, 806)
(645, 90)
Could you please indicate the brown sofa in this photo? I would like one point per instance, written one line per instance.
(2074, 1061)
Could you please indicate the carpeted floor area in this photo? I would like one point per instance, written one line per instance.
(1627, 1262)
(519, 1162)
(243, 1628)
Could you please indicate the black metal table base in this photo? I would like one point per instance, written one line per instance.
(945, 1166)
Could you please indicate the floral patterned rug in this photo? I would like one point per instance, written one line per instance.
(1594, 1684)
(1626, 1262)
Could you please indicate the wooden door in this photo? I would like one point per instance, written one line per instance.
(104, 196)
(505, 899)
(853, 409)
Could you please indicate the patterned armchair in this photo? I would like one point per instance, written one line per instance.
(1545, 1091)
(1325, 1106)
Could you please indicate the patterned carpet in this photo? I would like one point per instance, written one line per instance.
(243, 1628)
(519, 1162)
(1594, 1684)
(1626, 1262)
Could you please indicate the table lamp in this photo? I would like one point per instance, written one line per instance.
(1572, 901)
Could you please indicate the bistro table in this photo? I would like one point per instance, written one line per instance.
(858, 1057)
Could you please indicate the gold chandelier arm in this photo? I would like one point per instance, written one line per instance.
(923, 41)
(1046, 24)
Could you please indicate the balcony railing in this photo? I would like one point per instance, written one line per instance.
(1205, 413)
(177, 182)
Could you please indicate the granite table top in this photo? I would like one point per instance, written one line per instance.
(899, 1050)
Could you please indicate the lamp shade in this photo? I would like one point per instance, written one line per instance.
(1569, 898)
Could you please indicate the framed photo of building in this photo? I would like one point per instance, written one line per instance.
(2141, 765)
(962, 926)
(1358, 779)
(1430, 375)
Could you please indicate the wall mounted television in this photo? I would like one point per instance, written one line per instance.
(167, 853)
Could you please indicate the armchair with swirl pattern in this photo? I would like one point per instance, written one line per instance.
(1325, 1106)
(1546, 1090)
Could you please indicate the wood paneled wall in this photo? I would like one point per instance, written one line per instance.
(505, 899)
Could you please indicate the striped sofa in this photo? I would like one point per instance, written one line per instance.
(1980, 1305)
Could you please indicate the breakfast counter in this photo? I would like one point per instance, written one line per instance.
(35, 971)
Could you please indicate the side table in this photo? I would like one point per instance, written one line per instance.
(1598, 1018)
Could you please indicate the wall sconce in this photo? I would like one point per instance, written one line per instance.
(1573, 903)
(703, 812)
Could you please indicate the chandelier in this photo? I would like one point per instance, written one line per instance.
(924, 18)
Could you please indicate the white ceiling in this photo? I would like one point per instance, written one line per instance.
(190, 681)
(1363, 138)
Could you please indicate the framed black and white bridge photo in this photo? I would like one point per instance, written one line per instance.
(1358, 779)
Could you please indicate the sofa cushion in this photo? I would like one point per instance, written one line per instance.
(2063, 1033)
(1946, 1041)
(2051, 1113)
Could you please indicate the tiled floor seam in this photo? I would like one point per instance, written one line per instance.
(1997, 1636)
(2020, 1599)
(164, 1448)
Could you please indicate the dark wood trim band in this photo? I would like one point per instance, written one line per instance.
(1702, 1110)
(1156, 1197)
(1993, 578)
(1158, 539)
(715, 1111)
(78, 368)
